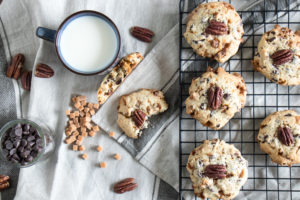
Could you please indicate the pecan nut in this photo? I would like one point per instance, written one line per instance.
(215, 171)
(142, 34)
(282, 56)
(4, 182)
(216, 28)
(26, 80)
(43, 71)
(125, 185)
(214, 97)
(139, 118)
(285, 136)
(14, 70)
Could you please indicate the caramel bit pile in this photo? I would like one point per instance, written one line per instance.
(79, 123)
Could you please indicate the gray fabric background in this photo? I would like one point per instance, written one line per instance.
(7, 113)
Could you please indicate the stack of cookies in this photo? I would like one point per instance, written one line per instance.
(214, 30)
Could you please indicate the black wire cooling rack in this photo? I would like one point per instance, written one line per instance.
(266, 180)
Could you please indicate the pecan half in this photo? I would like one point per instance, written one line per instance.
(139, 118)
(142, 34)
(216, 28)
(285, 136)
(214, 97)
(125, 186)
(26, 80)
(4, 182)
(43, 71)
(215, 171)
(282, 56)
(14, 70)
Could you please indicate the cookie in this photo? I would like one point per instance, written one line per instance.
(214, 30)
(116, 77)
(215, 97)
(278, 56)
(136, 108)
(217, 170)
(279, 136)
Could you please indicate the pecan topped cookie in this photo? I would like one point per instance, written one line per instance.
(136, 108)
(279, 136)
(278, 56)
(217, 170)
(215, 97)
(214, 30)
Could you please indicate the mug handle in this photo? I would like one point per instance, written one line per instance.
(46, 34)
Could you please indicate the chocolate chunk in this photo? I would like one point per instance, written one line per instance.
(24, 142)
(12, 151)
(9, 145)
(18, 132)
(30, 138)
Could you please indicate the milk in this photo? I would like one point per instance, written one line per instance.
(88, 44)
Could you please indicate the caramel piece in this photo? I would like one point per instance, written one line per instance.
(117, 156)
(111, 134)
(95, 128)
(90, 105)
(96, 106)
(77, 105)
(76, 113)
(70, 140)
(68, 112)
(82, 114)
(81, 148)
(79, 137)
(81, 98)
(72, 115)
(84, 156)
(78, 142)
(75, 147)
(84, 134)
(82, 129)
(86, 110)
(75, 133)
(99, 148)
(92, 112)
(81, 108)
(83, 102)
(103, 164)
(68, 133)
(74, 99)
(92, 133)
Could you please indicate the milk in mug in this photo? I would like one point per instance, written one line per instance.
(88, 44)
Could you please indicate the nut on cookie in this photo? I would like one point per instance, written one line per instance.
(136, 108)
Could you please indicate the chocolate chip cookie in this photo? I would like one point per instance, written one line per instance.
(117, 76)
(278, 56)
(215, 97)
(279, 136)
(217, 170)
(214, 30)
(136, 108)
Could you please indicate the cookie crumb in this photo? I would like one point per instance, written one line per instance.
(84, 156)
(117, 156)
(103, 164)
(111, 134)
(99, 148)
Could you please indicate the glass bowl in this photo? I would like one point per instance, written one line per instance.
(48, 144)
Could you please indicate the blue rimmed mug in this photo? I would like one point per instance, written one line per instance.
(87, 42)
